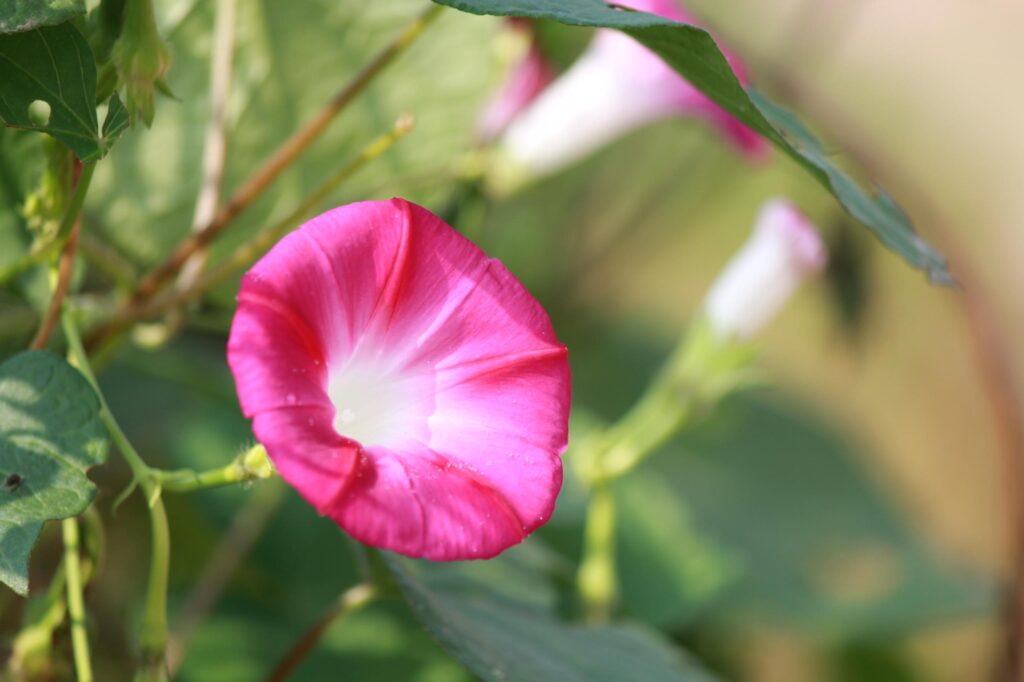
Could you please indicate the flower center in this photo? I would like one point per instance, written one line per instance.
(373, 406)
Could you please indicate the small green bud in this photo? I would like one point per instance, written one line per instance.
(45, 206)
(141, 58)
(256, 463)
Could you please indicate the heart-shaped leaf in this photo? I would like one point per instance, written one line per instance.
(52, 64)
(50, 435)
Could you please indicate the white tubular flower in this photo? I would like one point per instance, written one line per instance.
(615, 86)
(783, 250)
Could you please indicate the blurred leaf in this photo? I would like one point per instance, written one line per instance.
(874, 661)
(499, 641)
(848, 280)
(694, 54)
(823, 547)
(50, 435)
(669, 572)
(24, 15)
(54, 65)
(783, 497)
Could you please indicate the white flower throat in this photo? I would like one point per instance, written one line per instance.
(372, 405)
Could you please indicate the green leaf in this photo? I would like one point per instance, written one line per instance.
(25, 15)
(670, 572)
(50, 435)
(501, 641)
(52, 64)
(692, 52)
(116, 122)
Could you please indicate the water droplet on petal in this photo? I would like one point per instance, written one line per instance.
(290, 398)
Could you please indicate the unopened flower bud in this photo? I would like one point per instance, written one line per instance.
(141, 58)
(615, 86)
(783, 250)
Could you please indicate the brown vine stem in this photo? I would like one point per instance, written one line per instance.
(354, 599)
(60, 289)
(261, 241)
(280, 160)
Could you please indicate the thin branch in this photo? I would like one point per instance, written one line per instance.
(215, 144)
(60, 290)
(252, 249)
(282, 158)
(354, 599)
(119, 269)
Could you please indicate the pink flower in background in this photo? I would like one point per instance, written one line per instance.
(616, 85)
(405, 384)
(782, 252)
(526, 80)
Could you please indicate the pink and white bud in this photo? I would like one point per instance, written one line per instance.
(615, 86)
(783, 250)
(526, 80)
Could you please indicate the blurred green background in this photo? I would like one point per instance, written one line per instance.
(845, 522)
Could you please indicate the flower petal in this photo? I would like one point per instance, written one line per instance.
(307, 451)
(481, 410)
(417, 502)
(275, 355)
(451, 304)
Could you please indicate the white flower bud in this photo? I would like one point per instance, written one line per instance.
(616, 85)
(783, 250)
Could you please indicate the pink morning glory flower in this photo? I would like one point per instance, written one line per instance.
(526, 80)
(408, 386)
(782, 252)
(615, 86)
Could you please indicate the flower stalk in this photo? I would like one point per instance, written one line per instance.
(712, 360)
(251, 465)
(597, 577)
(75, 600)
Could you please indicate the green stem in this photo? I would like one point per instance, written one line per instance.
(701, 371)
(154, 622)
(52, 247)
(76, 602)
(154, 625)
(248, 466)
(596, 580)
(81, 360)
